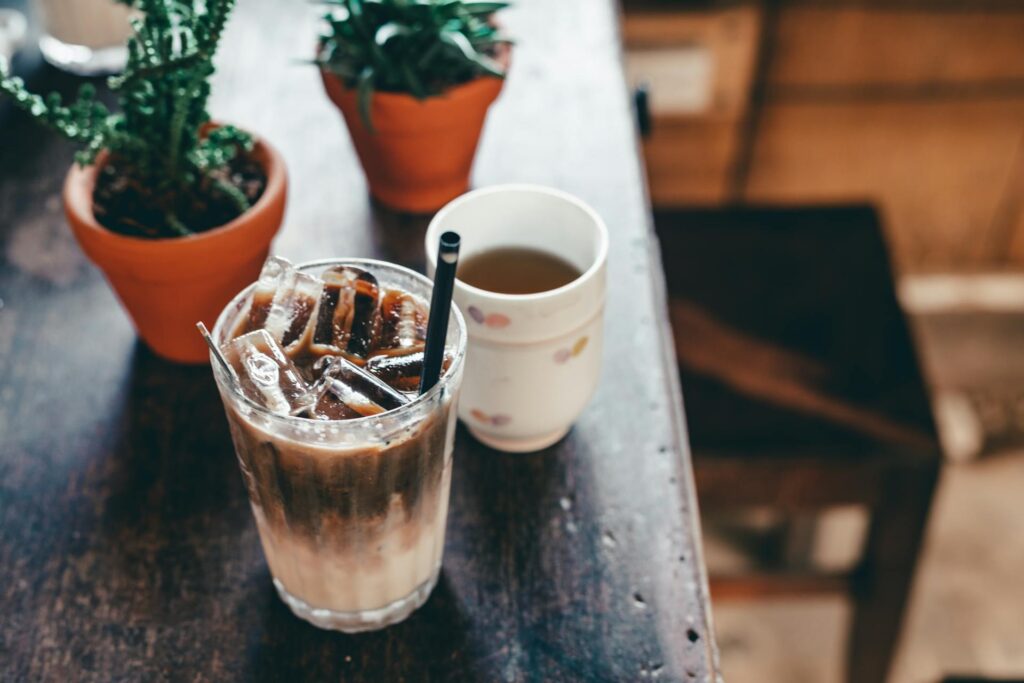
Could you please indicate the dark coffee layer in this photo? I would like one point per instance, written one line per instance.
(307, 488)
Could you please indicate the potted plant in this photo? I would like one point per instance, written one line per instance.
(177, 212)
(414, 81)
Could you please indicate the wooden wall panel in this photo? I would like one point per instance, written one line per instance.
(916, 106)
(1016, 234)
(871, 46)
(729, 37)
(690, 161)
(1010, 216)
(939, 171)
(691, 152)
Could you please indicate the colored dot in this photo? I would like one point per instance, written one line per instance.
(476, 314)
(497, 320)
(578, 347)
(562, 355)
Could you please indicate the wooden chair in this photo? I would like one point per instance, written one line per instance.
(802, 392)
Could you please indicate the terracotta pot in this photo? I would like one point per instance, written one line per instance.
(419, 156)
(168, 285)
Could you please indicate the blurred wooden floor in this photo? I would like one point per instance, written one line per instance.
(967, 610)
(965, 615)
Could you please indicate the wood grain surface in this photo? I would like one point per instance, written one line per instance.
(897, 46)
(945, 174)
(127, 548)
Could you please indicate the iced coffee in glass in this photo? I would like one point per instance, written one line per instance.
(347, 468)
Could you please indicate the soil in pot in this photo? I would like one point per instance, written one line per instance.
(122, 205)
(169, 283)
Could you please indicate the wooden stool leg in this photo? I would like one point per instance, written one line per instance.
(882, 584)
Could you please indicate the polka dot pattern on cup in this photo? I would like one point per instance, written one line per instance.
(565, 354)
(498, 420)
(495, 320)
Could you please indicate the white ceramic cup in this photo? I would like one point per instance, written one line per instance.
(12, 32)
(85, 37)
(533, 360)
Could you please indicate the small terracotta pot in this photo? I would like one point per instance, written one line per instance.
(420, 155)
(168, 285)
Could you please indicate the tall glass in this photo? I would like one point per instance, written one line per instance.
(351, 513)
(86, 37)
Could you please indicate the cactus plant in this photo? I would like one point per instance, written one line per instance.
(418, 47)
(167, 172)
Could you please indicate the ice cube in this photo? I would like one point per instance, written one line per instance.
(292, 311)
(400, 372)
(283, 303)
(255, 317)
(267, 375)
(345, 390)
(403, 322)
(347, 317)
(339, 401)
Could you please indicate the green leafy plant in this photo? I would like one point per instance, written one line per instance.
(158, 142)
(419, 47)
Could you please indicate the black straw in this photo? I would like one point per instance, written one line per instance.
(440, 309)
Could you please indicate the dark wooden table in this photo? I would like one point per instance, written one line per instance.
(127, 548)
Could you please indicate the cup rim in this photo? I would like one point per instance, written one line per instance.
(442, 383)
(435, 227)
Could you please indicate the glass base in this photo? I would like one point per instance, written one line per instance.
(82, 60)
(363, 620)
